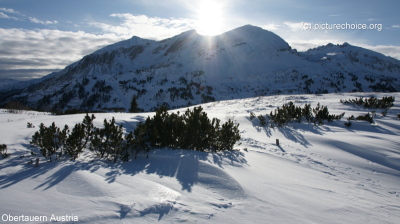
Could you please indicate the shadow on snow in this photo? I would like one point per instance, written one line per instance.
(184, 165)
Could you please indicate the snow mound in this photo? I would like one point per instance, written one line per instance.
(219, 182)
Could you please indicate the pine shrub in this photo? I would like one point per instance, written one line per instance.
(191, 130)
(351, 118)
(75, 141)
(366, 117)
(107, 142)
(3, 150)
(372, 103)
(50, 139)
(79, 137)
(227, 136)
(141, 139)
(263, 121)
(288, 113)
(252, 115)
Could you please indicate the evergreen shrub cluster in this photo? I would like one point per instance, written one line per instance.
(107, 142)
(372, 103)
(367, 117)
(50, 139)
(191, 130)
(289, 112)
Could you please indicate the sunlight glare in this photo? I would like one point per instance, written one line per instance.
(210, 18)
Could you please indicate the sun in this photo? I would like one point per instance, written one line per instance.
(209, 18)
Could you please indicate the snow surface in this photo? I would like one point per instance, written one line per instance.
(318, 174)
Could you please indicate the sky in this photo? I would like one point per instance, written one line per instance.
(38, 37)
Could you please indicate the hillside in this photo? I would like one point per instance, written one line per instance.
(190, 69)
(318, 174)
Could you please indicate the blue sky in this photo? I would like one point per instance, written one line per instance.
(41, 36)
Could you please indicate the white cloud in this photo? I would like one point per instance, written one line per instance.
(9, 10)
(388, 50)
(3, 14)
(271, 26)
(36, 52)
(39, 51)
(47, 22)
(294, 26)
(145, 27)
(396, 26)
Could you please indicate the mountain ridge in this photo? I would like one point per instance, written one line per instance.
(190, 69)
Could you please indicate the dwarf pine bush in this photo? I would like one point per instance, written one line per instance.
(50, 139)
(79, 137)
(366, 117)
(190, 130)
(289, 112)
(3, 150)
(372, 103)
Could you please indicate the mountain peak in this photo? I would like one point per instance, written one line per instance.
(249, 27)
(258, 37)
(133, 41)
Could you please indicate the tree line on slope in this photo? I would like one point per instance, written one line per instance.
(192, 130)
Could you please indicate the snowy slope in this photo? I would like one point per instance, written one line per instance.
(191, 69)
(318, 174)
(4, 82)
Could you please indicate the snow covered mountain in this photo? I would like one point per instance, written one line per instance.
(5, 82)
(191, 69)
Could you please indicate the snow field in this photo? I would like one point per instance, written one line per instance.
(318, 174)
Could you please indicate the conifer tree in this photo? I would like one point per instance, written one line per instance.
(107, 141)
(75, 141)
(197, 126)
(49, 139)
(134, 105)
(130, 145)
(79, 137)
(262, 120)
(141, 134)
(3, 150)
(228, 135)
